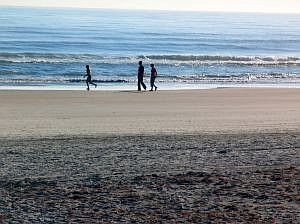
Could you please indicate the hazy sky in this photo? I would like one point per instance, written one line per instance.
(283, 6)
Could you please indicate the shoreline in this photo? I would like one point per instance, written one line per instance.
(160, 88)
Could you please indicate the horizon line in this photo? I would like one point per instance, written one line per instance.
(142, 9)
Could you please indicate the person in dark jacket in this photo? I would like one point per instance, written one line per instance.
(141, 76)
(89, 78)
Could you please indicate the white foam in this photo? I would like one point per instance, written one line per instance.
(131, 87)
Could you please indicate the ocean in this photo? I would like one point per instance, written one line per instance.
(48, 48)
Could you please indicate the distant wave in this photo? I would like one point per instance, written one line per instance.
(158, 59)
(100, 80)
(61, 80)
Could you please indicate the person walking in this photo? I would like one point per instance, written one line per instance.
(153, 77)
(141, 76)
(89, 78)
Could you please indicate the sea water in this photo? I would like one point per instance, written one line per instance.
(48, 48)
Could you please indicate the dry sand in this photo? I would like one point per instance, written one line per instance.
(197, 156)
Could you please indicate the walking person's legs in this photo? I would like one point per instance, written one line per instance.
(152, 83)
(93, 84)
(139, 84)
(87, 84)
(143, 84)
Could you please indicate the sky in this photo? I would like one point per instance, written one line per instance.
(267, 6)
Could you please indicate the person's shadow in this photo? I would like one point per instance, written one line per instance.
(130, 91)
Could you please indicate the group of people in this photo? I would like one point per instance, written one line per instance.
(141, 77)
(141, 72)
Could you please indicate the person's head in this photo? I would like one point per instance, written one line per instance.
(87, 67)
(151, 65)
(140, 62)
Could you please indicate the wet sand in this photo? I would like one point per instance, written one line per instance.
(52, 113)
(205, 156)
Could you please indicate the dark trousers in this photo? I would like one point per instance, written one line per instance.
(152, 80)
(89, 81)
(140, 81)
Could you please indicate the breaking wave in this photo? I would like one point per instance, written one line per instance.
(158, 59)
(245, 78)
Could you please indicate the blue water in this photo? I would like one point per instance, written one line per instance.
(47, 48)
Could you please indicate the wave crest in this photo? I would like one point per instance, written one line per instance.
(158, 59)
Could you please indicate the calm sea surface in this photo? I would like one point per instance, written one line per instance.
(49, 48)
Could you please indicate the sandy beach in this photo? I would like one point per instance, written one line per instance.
(52, 113)
(189, 156)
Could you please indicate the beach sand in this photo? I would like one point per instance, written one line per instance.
(52, 113)
(189, 156)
